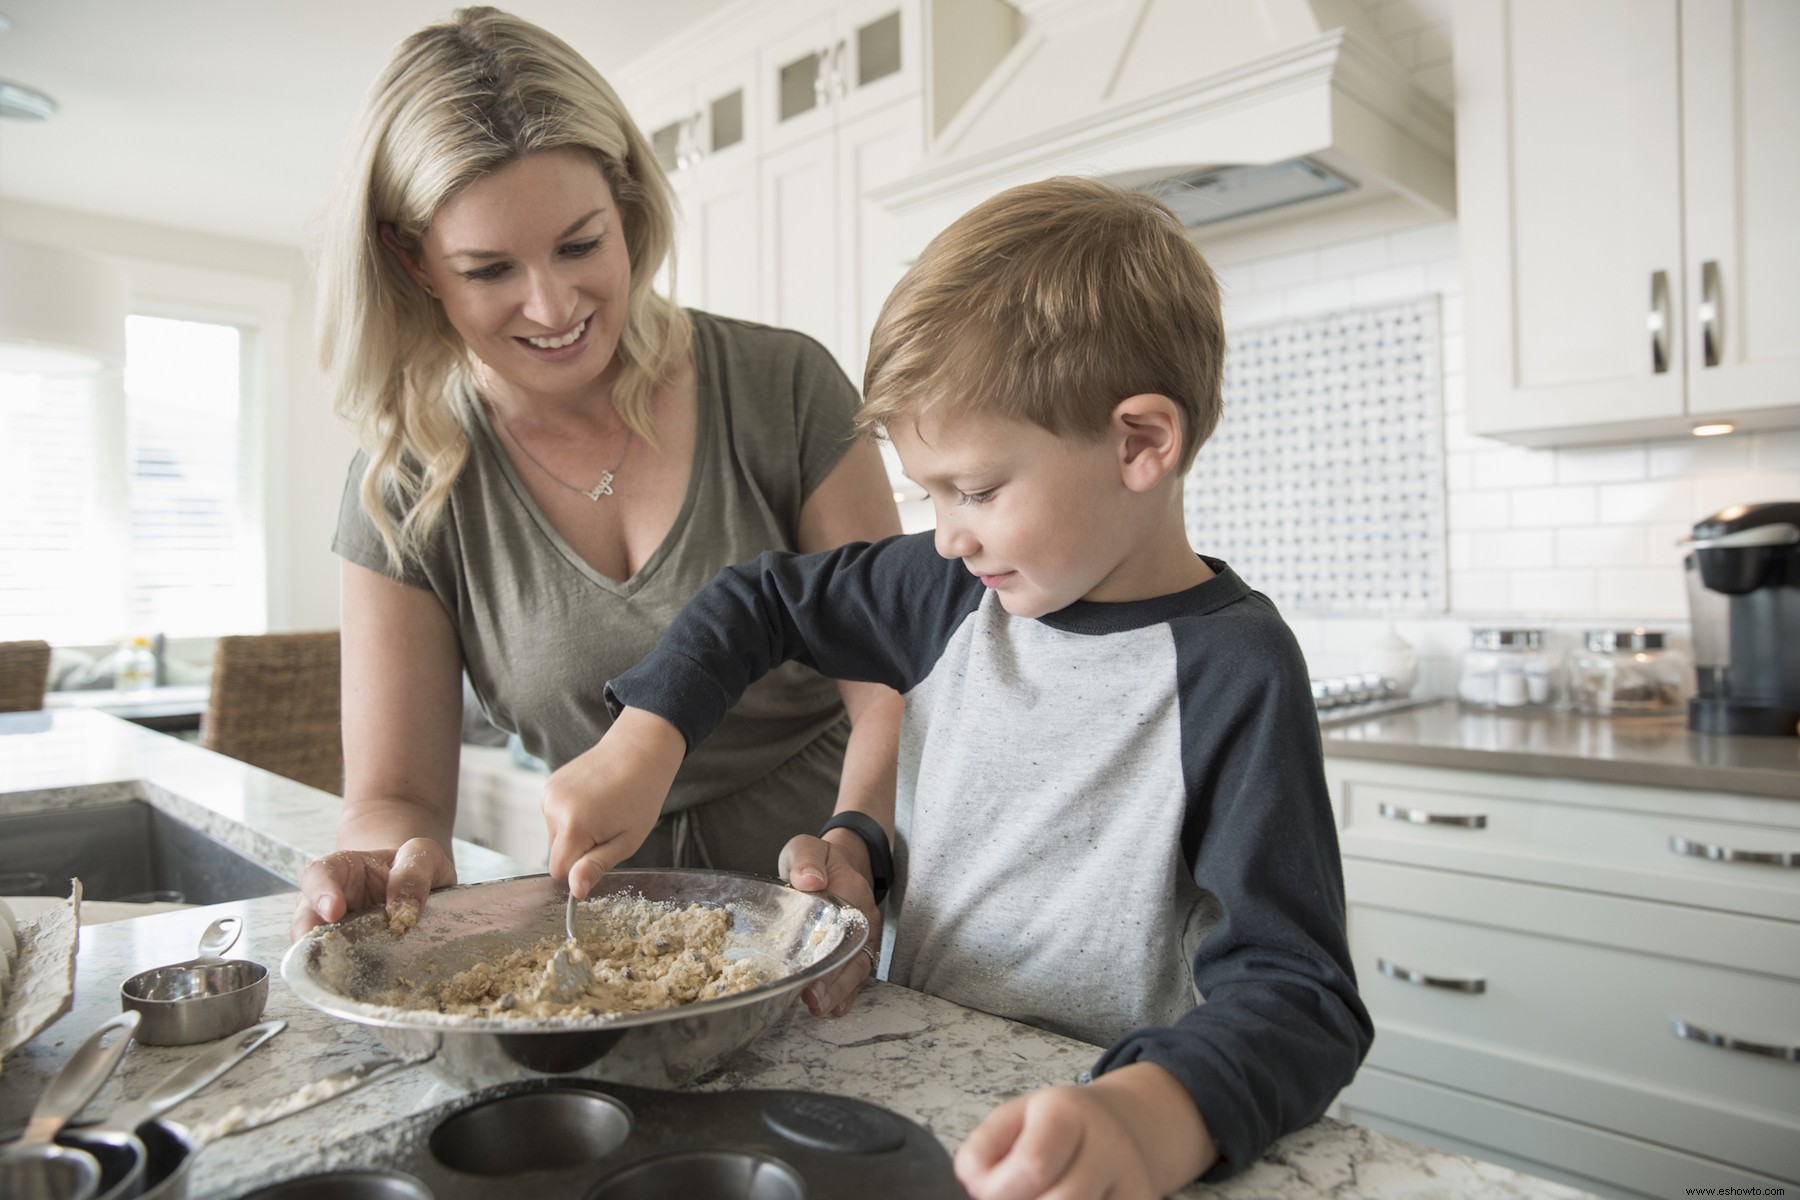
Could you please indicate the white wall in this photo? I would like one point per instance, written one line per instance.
(303, 449)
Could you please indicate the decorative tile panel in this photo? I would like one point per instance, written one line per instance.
(1323, 486)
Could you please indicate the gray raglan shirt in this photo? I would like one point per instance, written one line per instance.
(1112, 820)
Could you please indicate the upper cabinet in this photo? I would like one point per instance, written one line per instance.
(1626, 174)
(704, 135)
(837, 64)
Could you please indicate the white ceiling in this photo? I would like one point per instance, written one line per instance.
(227, 116)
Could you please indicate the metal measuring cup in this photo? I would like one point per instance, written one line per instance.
(35, 1167)
(203, 999)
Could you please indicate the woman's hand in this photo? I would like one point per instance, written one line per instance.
(813, 864)
(600, 806)
(352, 880)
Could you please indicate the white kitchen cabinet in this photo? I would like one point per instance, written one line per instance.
(837, 63)
(831, 253)
(1532, 951)
(499, 805)
(705, 136)
(1626, 170)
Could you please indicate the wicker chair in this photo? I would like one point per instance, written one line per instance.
(275, 704)
(24, 674)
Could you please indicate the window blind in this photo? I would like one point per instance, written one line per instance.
(122, 514)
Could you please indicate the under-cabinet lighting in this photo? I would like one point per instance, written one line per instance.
(1713, 428)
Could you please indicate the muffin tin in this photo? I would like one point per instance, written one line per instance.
(583, 1139)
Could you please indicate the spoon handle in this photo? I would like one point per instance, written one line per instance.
(82, 1076)
(193, 1075)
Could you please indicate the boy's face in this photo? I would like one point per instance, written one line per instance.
(1042, 520)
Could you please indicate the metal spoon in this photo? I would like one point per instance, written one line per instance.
(35, 1167)
(569, 971)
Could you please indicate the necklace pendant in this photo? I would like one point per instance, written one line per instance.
(603, 488)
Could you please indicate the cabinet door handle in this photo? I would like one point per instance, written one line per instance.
(1394, 970)
(822, 80)
(843, 78)
(1772, 858)
(1419, 816)
(1711, 313)
(1694, 1033)
(1658, 322)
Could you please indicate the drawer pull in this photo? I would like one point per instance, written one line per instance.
(1419, 816)
(1694, 1033)
(1420, 979)
(1773, 858)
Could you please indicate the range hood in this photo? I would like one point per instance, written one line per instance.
(1266, 124)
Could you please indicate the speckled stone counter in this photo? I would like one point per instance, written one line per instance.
(71, 758)
(927, 1059)
(1650, 751)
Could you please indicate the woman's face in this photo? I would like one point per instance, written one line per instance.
(531, 267)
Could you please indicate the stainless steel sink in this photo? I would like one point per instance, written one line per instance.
(129, 851)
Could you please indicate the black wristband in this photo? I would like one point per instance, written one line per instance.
(881, 858)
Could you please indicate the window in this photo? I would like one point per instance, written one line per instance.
(122, 502)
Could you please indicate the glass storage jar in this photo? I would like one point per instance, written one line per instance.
(1627, 671)
(1507, 668)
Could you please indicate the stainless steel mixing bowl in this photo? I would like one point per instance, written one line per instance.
(798, 935)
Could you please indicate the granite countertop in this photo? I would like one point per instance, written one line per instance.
(938, 1064)
(61, 758)
(1653, 751)
(925, 1058)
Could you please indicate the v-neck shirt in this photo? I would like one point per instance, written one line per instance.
(542, 630)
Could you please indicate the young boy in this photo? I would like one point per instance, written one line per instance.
(1111, 811)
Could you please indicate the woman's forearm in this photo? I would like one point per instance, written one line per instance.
(867, 782)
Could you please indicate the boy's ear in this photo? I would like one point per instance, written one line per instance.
(404, 256)
(1148, 430)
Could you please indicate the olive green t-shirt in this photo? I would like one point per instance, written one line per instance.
(542, 631)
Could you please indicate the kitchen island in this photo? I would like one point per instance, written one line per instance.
(931, 1061)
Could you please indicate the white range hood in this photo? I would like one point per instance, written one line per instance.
(1284, 122)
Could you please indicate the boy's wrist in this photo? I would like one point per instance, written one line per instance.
(1171, 1135)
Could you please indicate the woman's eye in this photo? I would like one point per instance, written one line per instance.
(581, 249)
(485, 274)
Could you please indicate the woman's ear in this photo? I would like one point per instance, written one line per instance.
(1148, 430)
(405, 257)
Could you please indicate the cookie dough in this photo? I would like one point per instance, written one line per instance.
(645, 955)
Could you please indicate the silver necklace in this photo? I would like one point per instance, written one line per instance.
(603, 488)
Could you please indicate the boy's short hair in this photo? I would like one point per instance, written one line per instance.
(1050, 303)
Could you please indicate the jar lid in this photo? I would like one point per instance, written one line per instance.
(1608, 640)
(1507, 639)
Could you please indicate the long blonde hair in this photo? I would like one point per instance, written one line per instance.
(457, 102)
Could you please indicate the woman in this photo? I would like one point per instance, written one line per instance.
(555, 458)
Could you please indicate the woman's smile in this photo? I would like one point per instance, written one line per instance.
(562, 346)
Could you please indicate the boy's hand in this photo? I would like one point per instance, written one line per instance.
(1132, 1134)
(813, 864)
(600, 806)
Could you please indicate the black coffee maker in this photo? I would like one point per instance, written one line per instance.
(1743, 581)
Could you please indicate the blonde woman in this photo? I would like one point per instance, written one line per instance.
(555, 458)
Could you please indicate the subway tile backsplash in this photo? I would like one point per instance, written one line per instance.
(1562, 539)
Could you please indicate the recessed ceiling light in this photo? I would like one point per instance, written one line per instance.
(28, 104)
(1713, 429)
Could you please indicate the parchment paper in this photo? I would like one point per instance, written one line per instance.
(42, 987)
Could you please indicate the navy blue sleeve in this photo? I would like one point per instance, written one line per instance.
(1282, 1029)
(876, 612)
